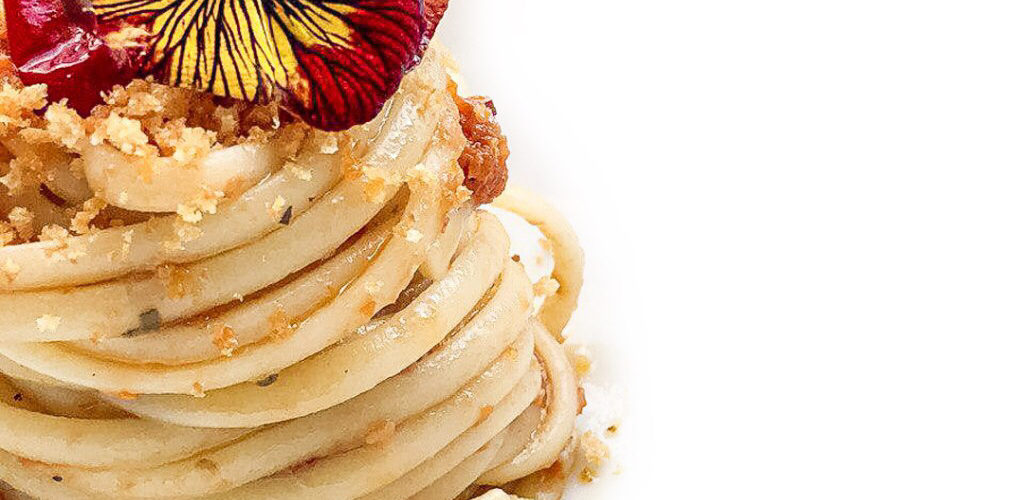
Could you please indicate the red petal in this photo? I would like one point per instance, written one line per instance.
(348, 86)
(433, 11)
(55, 43)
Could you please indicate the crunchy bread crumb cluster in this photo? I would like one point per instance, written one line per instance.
(595, 453)
(40, 144)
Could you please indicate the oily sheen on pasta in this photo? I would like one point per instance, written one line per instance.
(299, 314)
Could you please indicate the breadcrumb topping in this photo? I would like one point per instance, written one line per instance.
(280, 327)
(595, 453)
(224, 339)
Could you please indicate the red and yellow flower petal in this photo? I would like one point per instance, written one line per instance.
(334, 61)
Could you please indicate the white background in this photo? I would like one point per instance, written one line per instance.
(804, 228)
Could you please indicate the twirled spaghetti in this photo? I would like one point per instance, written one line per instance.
(335, 319)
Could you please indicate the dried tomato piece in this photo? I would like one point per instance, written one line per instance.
(485, 159)
(433, 11)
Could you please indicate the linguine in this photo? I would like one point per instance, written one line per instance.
(200, 300)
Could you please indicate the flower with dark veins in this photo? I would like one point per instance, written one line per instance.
(334, 63)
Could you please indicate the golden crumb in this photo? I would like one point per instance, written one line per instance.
(123, 133)
(192, 212)
(62, 248)
(53, 232)
(176, 281)
(546, 287)
(197, 390)
(581, 363)
(65, 126)
(127, 396)
(22, 220)
(127, 37)
(368, 309)
(81, 223)
(277, 208)
(224, 339)
(280, 327)
(375, 189)
(595, 452)
(19, 104)
(380, 432)
(17, 176)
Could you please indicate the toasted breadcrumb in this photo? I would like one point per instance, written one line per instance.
(65, 126)
(123, 133)
(81, 223)
(19, 104)
(224, 339)
(581, 363)
(17, 176)
(375, 186)
(280, 327)
(277, 208)
(127, 36)
(176, 281)
(595, 452)
(63, 248)
(22, 220)
(546, 287)
(368, 309)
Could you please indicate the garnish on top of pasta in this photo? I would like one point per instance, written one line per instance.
(333, 62)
